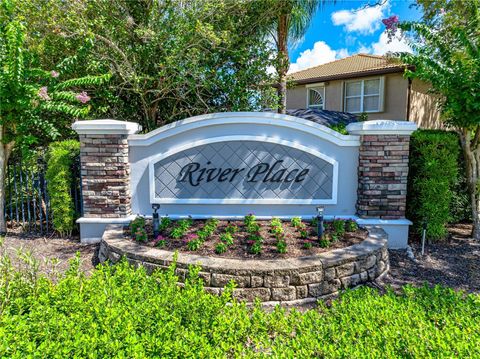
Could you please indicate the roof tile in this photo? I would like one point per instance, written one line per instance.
(354, 65)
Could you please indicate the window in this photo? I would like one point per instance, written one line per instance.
(364, 95)
(316, 97)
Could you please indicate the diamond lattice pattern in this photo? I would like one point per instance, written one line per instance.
(243, 154)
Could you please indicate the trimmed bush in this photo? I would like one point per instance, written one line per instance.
(120, 311)
(60, 159)
(434, 171)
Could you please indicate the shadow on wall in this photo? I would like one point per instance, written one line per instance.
(423, 107)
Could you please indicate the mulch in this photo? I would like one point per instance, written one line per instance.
(241, 245)
(454, 263)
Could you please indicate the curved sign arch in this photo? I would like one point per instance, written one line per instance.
(230, 164)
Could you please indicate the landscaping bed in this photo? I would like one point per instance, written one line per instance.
(247, 239)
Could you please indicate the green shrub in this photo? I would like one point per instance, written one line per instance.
(338, 227)
(296, 222)
(281, 246)
(120, 311)
(227, 238)
(351, 225)
(434, 169)
(136, 224)
(221, 248)
(60, 159)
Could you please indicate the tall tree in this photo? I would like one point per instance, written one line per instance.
(32, 100)
(446, 54)
(292, 19)
(169, 59)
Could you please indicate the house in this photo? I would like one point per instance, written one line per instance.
(360, 84)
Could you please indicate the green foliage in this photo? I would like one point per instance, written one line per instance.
(120, 311)
(208, 229)
(281, 246)
(276, 227)
(307, 245)
(165, 223)
(433, 173)
(136, 224)
(339, 127)
(304, 232)
(161, 243)
(221, 248)
(338, 227)
(231, 229)
(181, 228)
(35, 104)
(141, 235)
(170, 59)
(351, 225)
(61, 156)
(324, 242)
(296, 222)
(227, 238)
(194, 244)
(249, 220)
(256, 247)
(445, 55)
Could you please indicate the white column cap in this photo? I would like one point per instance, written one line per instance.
(382, 127)
(106, 127)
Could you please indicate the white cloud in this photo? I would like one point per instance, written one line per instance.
(382, 46)
(320, 54)
(362, 20)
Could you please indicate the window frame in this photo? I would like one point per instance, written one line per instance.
(315, 86)
(380, 94)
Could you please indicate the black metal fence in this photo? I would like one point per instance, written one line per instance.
(27, 202)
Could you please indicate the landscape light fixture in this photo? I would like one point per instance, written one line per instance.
(320, 211)
(155, 220)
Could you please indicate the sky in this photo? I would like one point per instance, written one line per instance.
(347, 28)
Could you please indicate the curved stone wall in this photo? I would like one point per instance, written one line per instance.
(292, 280)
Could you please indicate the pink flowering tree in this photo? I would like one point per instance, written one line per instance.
(446, 54)
(32, 100)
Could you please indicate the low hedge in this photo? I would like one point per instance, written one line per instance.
(120, 311)
(435, 191)
(60, 158)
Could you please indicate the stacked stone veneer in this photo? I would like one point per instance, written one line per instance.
(105, 174)
(382, 176)
(293, 279)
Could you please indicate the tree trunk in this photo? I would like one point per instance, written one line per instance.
(5, 150)
(282, 62)
(471, 152)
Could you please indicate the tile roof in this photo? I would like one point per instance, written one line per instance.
(352, 66)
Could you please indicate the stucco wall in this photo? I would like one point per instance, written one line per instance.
(423, 108)
(145, 148)
(395, 97)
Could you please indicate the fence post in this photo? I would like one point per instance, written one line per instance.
(105, 175)
(382, 176)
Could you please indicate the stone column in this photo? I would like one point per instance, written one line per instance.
(105, 172)
(383, 170)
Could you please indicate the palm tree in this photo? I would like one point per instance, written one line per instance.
(293, 19)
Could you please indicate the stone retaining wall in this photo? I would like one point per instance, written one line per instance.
(292, 280)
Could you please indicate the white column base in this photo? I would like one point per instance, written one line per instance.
(397, 230)
(91, 229)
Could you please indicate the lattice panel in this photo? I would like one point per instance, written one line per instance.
(243, 156)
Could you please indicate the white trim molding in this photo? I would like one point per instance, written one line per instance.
(382, 127)
(106, 127)
(308, 201)
(254, 118)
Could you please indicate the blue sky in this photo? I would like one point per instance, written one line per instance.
(348, 27)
